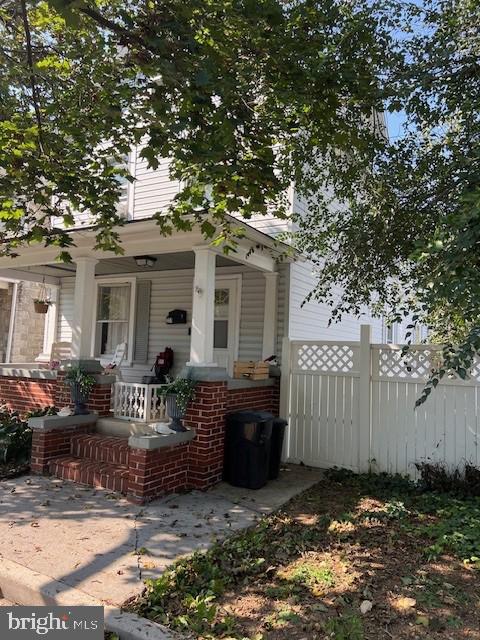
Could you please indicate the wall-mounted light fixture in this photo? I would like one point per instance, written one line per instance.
(145, 261)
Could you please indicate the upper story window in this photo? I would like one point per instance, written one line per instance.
(122, 207)
(391, 333)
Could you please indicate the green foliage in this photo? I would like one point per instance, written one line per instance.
(453, 523)
(464, 481)
(346, 627)
(240, 97)
(76, 376)
(454, 527)
(384, 484)
(183, 389)
(16, 435)
(310, 575)
(404, 234)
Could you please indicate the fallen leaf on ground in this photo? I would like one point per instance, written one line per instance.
(404, 604)
(366, 606)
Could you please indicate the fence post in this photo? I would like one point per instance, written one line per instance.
(364, 403)
(285, 392)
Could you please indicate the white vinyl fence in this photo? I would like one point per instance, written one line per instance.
(352, 404)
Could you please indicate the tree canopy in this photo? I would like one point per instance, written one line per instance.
(237, 95)
(244, 97)
(406, 234)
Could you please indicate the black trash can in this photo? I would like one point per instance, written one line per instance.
(278, 433)
(247, 448)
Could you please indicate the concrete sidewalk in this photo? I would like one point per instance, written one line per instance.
(102, 545)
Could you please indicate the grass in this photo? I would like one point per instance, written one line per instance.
(304, 572)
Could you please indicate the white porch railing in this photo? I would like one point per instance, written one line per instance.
(135, 401)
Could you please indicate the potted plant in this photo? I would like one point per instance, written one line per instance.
(178, 394)
(41, 305)
(80, 383)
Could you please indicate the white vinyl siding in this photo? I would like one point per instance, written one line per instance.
(153, 189)
(311, 321)
(173, 290)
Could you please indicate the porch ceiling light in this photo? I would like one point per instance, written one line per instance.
(145, 261)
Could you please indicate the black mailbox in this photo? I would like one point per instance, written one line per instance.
(177, 316)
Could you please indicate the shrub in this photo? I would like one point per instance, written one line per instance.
(439, 477)
(16, 435)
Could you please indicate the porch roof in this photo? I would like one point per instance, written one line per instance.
(141, 237)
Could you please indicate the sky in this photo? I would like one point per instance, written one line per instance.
(395, 122)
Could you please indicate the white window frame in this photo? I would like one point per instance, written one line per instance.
(394, 329)
(105, 281)
(235, 310)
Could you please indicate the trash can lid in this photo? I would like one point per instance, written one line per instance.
(280, 422)
(250, 415)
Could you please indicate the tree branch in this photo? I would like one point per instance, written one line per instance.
(115, 28)
(33, 84)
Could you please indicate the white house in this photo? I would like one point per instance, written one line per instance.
(237, 307)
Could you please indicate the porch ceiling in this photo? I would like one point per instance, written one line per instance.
(112, 266)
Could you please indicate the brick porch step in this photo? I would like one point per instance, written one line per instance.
(94, 474)
(100, 448)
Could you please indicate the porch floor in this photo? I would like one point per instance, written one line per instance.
(88, 539)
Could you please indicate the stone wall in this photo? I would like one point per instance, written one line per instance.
(29, 326)
(5, 311)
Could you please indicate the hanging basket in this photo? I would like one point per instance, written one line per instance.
(40, 307)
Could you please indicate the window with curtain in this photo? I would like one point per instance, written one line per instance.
(113, 313)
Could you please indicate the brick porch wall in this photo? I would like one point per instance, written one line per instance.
(98, 402)
(27, 394)
(206, 414)
(194, 465)
(153, 473)
(264, 398)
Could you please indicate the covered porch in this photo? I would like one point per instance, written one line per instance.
(178, 292)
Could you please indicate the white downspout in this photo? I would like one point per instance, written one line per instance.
(11, 327)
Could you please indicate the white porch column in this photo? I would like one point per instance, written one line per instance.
(203, 311)
(270, 315)
(50, 331)
(83, 308)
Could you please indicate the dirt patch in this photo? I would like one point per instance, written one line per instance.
(13, 470)
(345, 561)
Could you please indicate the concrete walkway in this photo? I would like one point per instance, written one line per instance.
(105, 547)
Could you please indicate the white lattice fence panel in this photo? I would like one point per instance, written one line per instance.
(325, 358)
(414, 364)
(446, 428)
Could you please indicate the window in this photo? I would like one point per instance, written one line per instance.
(220, 324)
(391, 333)
(113, 317)
(122, 206)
